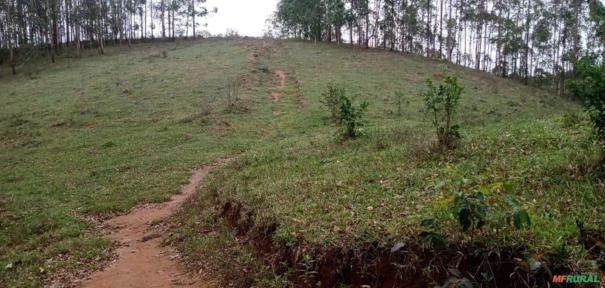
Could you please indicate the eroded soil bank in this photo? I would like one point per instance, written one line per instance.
(412, 263)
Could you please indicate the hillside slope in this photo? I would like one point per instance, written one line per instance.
(95, 136)
(316, 197)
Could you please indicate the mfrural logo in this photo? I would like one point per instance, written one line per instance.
(582, 278)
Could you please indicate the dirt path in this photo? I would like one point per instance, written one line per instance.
(282, 83)
(282, 78)
(142, 261)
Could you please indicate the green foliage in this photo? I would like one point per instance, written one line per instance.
(597, 15)
(331, 99)
(232, 93)
(342, 111)
(400, 100)
(441, 103)
(590, 89)
(470, 210)
(475, 205)
(431, 232)
(519, 215)
(351, 117)
(573, 119)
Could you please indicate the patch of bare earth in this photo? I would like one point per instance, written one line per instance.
(282, 78)
(282, 83)
(276, 96)
(141, 259)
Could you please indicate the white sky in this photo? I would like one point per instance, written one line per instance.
(247, 17)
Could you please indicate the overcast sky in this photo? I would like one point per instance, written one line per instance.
(247, 17)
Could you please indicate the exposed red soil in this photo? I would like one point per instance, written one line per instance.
(282, 77)
(141, 259)
(413, 264)
(276, 95)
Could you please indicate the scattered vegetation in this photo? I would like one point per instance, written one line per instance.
(388, 196)
(590, 89)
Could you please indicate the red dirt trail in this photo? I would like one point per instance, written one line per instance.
(142, 261)
(282, 77)
(282, 83)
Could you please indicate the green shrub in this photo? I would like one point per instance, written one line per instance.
(470, 210)
(232, 92)
(590, 89)
(400, 101)
(331, 99)
(441, 103)
(476, 205)
(351, 117)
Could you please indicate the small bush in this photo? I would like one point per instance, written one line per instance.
(475, 205)
(441, 103)
(331, 99)
(232, 92)
(351, 117)
(342, 111)
(400, 101)
(470, 210)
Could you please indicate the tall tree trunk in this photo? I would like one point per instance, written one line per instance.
(428, 28)
(450, 31)
(193, 16)
(162, 16)
(100, 37)
(367, 38)
(78, 43)
(141, 26)
(9, 29)
(173, 20)
(130, 32)
(68, 20)
(351, 34)
(144, 21)
(151, 16)
(527, 49)
(53, 29)
(479, 33)
(441, 29)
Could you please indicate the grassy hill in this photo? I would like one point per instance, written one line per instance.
(95, 136)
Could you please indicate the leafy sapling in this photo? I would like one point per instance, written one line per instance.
(441, 103)
(400, 101)
(351, 117)
(331, 99)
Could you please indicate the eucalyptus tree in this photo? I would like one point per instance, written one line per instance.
(30, 28)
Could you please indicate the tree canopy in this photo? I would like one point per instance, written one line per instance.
(533, 40)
